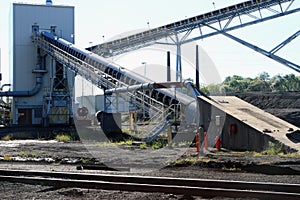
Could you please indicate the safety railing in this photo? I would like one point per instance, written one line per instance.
(98, 77)
(159, 122)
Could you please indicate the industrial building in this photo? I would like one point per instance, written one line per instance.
(41, 89)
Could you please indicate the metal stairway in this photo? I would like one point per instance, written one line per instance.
(161, 122)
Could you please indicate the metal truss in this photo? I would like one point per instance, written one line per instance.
(94, 75)
(59, 95)
(196, 28)
(269, 54)
(227, 19)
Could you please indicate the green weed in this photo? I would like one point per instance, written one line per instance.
(273, 149)
(63, 138)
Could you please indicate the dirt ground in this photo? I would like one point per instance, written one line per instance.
(50, 155)
(75, 157)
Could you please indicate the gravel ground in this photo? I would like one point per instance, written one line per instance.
(226, 165)
(68, 156)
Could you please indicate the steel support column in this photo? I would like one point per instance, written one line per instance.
(178, 64)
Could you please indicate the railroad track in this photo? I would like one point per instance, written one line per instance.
(194, 187)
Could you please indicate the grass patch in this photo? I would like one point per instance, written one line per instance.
(292, 155)
(63, 138)
(106, 144)
(277, 150)
(273, 149)
(7, 158)
(182, 162)
(158, 144)
(182, 144)
(31, 154)
(84, 160)
(126, 142)
(23, 154)
(189, 161)
(66, 134)
(143, 146)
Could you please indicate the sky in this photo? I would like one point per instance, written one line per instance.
(97, 21)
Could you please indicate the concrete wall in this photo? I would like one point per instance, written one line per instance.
(25, 56)
(211, 119)
(245, 137)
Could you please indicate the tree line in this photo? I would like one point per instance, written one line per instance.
(262, 83)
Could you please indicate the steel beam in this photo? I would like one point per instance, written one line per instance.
(285, 42)
(187, 26)
(203, 36)
(259, 50)
(226, 15)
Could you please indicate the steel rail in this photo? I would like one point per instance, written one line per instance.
(196, 187)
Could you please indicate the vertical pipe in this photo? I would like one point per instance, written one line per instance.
(169, 134)
(197, 143)
(178, 64)
(168, 66)
(197, 67)
(131, 121)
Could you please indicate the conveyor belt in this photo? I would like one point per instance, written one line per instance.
(103, 74)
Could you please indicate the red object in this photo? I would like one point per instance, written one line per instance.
(218, 142)
(197, 142)
(233, 128)
(205, 140)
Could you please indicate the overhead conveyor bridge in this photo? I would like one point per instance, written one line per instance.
(221, 18)
(162, 103)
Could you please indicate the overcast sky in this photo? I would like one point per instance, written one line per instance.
(98, 20)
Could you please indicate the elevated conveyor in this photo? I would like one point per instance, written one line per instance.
(222, 19)
(108, 76)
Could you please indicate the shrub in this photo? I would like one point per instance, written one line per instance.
(273, 149)
(63, 138)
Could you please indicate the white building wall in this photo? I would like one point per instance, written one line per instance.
(24, 52)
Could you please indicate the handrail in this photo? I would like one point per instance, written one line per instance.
(157, 122)
(95, 75)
